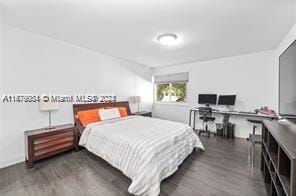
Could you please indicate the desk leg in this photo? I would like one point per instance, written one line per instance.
(190, 118)
(194, 115)
(225, 123)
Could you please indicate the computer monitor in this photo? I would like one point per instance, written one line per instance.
(226, 100)
(207, 99)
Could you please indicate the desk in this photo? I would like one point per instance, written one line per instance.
(226, 116)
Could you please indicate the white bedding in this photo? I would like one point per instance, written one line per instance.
(146, 150)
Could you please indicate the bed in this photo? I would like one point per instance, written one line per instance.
(147, 150)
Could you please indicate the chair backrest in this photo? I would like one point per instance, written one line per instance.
(205, 111)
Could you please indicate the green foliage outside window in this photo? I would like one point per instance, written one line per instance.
(179, 90)
(174, 92)
(162, 91)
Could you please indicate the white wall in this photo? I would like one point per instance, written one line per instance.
(1, 75)
(251, 77)
(38, 64)
(295, 12)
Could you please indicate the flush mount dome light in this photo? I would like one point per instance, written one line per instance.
(167, 39)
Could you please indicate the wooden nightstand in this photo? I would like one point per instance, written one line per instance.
(42, 143)
(143, 113)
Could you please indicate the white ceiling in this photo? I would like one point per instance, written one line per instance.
(127, 29)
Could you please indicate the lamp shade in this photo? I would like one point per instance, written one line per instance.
(48, 106)
(136, 99)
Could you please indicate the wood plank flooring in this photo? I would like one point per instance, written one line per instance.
(223, 169)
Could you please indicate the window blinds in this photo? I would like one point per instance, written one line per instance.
(171, 78)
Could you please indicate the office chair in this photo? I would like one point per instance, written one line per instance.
(206, 116)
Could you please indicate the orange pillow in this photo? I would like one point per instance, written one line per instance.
(122, 110)
(88, 116)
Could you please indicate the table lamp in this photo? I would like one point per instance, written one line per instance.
(48, 106)
(136, 100)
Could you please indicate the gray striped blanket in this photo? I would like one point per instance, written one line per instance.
(147, 150)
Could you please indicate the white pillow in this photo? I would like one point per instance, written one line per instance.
(106, 114)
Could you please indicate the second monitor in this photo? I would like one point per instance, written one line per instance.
(228, 100)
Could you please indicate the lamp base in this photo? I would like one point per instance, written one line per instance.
(50, 127)
(49, 122)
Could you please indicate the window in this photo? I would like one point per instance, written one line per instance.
(171, 88)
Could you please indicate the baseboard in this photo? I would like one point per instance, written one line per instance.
(11, 161)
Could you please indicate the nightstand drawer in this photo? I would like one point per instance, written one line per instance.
(53, 137)
(53, 142)
(39, 154)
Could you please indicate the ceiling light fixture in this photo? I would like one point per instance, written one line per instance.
(167, 39)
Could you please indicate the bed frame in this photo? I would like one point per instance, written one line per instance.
(89, 106)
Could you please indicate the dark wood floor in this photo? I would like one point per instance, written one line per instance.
(221, 170)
